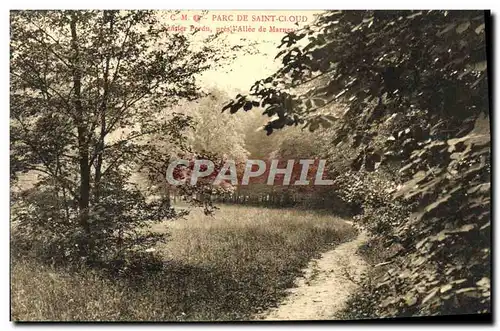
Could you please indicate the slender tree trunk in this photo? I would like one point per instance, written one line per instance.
(58, 187)
(166, 193)
(103, 110)
(83, 144)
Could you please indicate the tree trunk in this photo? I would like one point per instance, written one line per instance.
(83, 144)
(102, 113)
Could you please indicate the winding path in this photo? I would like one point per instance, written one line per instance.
(325, 286)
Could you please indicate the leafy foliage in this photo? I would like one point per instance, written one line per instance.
(414, 94)
(86, 88)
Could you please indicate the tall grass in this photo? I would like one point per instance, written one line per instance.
(226, 267)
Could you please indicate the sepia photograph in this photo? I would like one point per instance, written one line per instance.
(250, 165)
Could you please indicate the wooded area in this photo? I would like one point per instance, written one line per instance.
(397, 103)
(415, 91)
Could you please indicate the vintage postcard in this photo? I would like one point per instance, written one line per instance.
(188, 165)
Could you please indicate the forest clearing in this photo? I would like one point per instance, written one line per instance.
(228, 267)
(358, 147)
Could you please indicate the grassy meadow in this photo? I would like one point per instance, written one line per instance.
(227, 267)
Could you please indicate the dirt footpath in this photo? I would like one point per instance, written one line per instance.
(325, 287)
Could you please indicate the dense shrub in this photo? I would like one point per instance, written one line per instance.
(45, 225)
